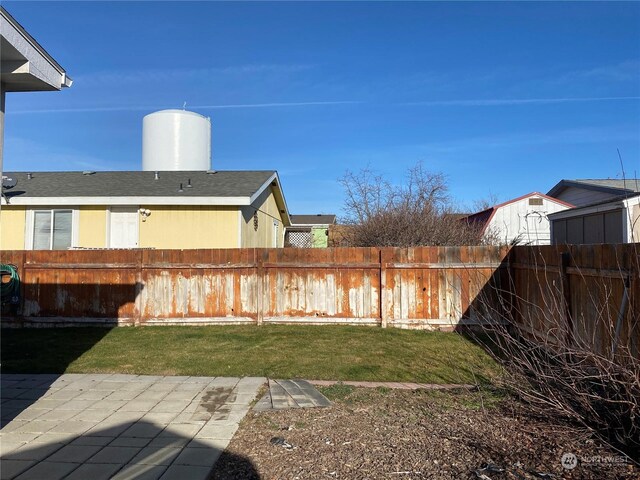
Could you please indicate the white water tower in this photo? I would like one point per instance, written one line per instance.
(176, 140)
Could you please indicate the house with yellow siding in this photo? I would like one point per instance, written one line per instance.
(143, 209)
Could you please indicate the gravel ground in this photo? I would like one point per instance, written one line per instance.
(378, 433)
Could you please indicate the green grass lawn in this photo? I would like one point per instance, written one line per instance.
(312, 352)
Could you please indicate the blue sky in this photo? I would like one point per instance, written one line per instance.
(503, 98)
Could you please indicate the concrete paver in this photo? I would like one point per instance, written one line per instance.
(111, 454)
(168, 442)
(74, 453)
(129, 442)
(40, 452)
(12, 468)
(140, 472)
(94, 471)
(214, 430)
(157, 455)
(118, 426)
(88, 440)
(180, 472)
(48, 470)
(141, 430)
(204, 457)
(50, 438)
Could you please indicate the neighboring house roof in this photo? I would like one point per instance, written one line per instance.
(310, 220)
(25, 65)
(613, 186)
(141, 187)
(457, 216)
(596, 207)
(484, 217)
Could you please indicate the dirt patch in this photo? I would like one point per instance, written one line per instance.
(377, 433)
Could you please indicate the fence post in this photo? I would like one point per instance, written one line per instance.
(260, 286)
(20, 312)
(565, 258)
(138, 289)
(383, 290)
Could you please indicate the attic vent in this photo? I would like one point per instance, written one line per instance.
(535, 201)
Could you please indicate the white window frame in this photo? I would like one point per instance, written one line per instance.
(30, 223)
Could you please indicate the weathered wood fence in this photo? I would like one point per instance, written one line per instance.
(426, 287)
(419, 287)
(578, 295)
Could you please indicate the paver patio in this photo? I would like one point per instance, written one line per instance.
(101, 426)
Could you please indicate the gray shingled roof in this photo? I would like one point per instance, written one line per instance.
(632, 184)
(318, 219)
(606, 185)
(138, 183)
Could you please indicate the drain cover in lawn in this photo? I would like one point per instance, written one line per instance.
(283, 394)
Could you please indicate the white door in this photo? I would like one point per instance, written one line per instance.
(123, 227)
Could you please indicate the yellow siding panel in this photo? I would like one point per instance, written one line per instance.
(12, 226)
(267, 212)
(190, 227)
(92, 227)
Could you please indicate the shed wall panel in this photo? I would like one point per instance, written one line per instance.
(613, 227)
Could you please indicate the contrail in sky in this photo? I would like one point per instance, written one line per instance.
(495, 102)
(129, 108)
(511, 101)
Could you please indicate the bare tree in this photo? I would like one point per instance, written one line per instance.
(485, 202)
(418, 212)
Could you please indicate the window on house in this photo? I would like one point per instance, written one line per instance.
(52, 229)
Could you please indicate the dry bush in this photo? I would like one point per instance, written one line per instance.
(557, 363)
(416, 213)
(600, 394)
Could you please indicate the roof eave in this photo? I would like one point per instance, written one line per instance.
(129, 200)
(56, 78)
(279, 196)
